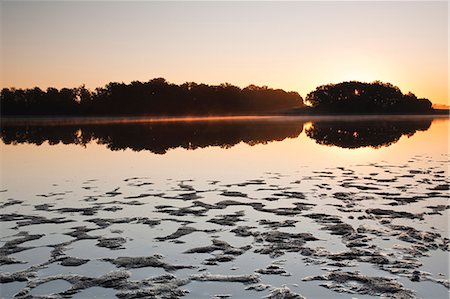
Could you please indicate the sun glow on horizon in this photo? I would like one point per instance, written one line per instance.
(94, 43)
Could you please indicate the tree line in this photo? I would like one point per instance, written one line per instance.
(152, 98)
(367, 98)
(157, 97)
(160, 137)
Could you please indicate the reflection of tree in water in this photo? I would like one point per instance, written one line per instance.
(374, 133)
(157, 137)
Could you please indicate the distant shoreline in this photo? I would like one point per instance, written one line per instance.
(158, 98)
(68, 120)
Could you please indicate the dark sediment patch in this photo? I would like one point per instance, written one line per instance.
(243, 231)
(291, 194)
(142, 195)
(229, 219)
(324, 218)
(185, 187)
(6, 260)
(393, 214)
(258, 287)
(247, 183)
(6, 277)
(402, 200)
(52, 194)
(437, 194)
(105, 222)
(391, 180)
(359, 187)
(128, 203)
(116, 279)
(244, 278)
(283, 293)
(185, 196)
(10, 202)
(443, 187)
(83, 211)
(140, 184)
(113, 193)
(233, 194)
(437, 209)
(356, 283)
(58, 250)
(276, 224)
(181, 231)
(184, 211)
(72, 261)
(113, 209)
(81, 233)
(13, 246)
(227, 252)
(342, 229)
(25, 220)
(164, 286)
(273, 270)
(276, 243)
(111, 243)
(426, 240)
(154, 261)
(336, 226)
(227, 203)
(149, 222)
(387, 193)
(298, 208)
(43, 207)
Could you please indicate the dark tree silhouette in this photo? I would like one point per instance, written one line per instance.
(365, 98)
(157, 137)
(368, 133)
(158, 97)
(153, 98)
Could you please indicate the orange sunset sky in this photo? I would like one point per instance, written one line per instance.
(289, 45)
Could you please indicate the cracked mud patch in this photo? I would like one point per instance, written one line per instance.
(356, 283)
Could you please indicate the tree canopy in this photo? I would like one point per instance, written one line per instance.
(355, 97)
(157, 97)
(152, 98)
(158, 137)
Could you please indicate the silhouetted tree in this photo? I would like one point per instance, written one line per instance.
(365, 98)
(158, 97)
(155, 97)
(367, 133)
(157, 137)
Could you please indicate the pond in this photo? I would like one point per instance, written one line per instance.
(241, 207)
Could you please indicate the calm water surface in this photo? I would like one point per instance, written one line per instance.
(372, 192)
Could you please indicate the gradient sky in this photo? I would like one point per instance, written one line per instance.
(289, 45)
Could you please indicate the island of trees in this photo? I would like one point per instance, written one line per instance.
(158, 97)
(365, 98)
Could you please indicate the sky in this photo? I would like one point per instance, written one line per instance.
(290, 45)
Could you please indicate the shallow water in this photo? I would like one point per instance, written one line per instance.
(210, 204)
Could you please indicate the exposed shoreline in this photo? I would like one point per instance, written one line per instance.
(315, 230)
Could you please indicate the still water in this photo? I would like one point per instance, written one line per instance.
(325, 207)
